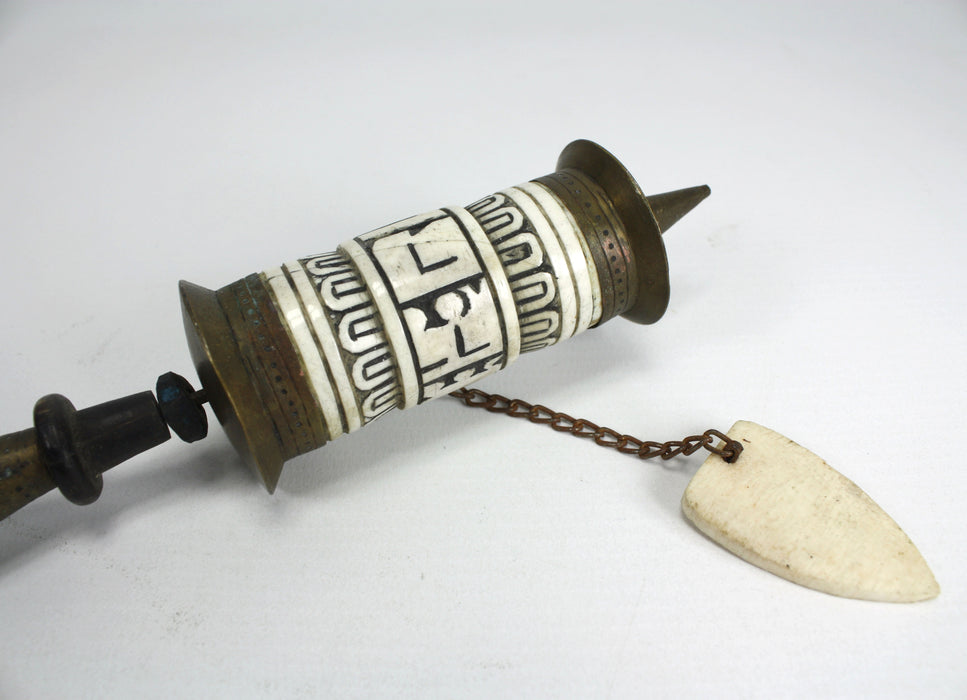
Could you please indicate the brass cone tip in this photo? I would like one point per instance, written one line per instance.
(669, 207)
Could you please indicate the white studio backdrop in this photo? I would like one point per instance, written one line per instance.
(442, 552)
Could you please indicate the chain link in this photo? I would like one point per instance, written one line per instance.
(606, 437)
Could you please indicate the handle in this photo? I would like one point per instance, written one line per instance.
(23, 476)
(69, 449)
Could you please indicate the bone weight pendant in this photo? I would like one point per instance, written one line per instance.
(784, 509)
(318, 347)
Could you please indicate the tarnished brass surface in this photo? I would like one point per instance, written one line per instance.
(252, 374)
(225, 376)
(22, 474)
(651, 266)
(669, 207)
(275, 367)
(605, 235)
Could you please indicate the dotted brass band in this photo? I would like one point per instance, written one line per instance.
(610, 250)
(274, 365)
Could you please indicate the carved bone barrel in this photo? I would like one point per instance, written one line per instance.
(302, 353)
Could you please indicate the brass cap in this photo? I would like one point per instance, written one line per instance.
(644, 219)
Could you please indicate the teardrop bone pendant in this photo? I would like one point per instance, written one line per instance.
(785, 510)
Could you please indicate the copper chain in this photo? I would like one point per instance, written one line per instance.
(606, 437)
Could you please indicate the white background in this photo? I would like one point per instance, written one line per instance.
(447, 553)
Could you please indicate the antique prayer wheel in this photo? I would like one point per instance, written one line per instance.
(300, 354)
(303, 353)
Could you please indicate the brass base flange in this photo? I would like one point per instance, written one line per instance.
(228, 384)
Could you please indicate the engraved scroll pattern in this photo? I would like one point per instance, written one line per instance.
(533, 279)
(445, 318)
(355, 323)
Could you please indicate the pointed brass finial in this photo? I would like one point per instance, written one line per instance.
(672, 206)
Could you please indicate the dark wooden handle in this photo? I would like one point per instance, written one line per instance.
(69, 449)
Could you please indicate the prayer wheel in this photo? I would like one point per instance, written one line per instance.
(302, 353)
